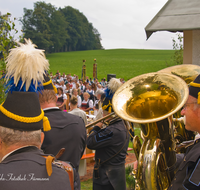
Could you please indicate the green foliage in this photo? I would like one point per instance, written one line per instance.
(130, 180)
(59, 30)
(177, 58)
(6, 42)
(125, 63)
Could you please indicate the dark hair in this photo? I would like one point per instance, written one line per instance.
(61, 89)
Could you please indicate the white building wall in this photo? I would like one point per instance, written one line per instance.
(196, 47)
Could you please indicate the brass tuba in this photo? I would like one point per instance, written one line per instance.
(151, 100)
(188, 73)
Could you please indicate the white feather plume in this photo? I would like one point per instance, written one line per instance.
(26, 62)
(114, 84)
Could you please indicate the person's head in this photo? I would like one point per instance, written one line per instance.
(67, 86)
(23, 126)
(98, 93)
(47, 97)
(11, 139)
(21, 117)
(99, 86)
(77, 85)
(86, 96)
(86, 85)
(94, 87)
(62, 82)
(60, 90)
(12, 136)
(74, 101)
(106, 98)
(74, 91)
(79, 91)
(191, 110)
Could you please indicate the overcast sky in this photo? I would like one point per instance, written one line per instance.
(120, 23)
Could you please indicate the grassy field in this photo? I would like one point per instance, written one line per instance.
(125, 63)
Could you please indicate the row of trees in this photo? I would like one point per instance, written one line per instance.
(7, 31)
(58, 30)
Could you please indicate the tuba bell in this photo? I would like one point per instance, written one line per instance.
(151, 100)
(188, 73)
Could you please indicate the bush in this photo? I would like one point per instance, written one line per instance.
(130, 180)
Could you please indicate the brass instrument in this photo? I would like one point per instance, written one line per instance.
(188, 73)
(109, 119)
(151, 100)
(112, 116)
(95, 69)
(84, 71)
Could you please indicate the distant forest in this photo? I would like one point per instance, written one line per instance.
(59, 30)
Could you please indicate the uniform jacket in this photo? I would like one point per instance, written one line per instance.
(67, 131)
(26, 169)
(188, 174)
(107, 142)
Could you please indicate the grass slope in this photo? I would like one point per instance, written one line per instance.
(125, 63)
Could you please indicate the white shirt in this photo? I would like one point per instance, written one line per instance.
(64, 96)
(79, 101)
(90, 103)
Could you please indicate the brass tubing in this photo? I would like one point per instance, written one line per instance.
(99, 120)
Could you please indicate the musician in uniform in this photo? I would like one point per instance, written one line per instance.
(187, 175)
(22, 164)
(111, 145)
(67, 130)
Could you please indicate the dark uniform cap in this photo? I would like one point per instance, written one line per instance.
(23, 104)
(48, 85)
(194, 89)
(21, 110)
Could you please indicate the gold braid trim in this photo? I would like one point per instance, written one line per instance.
(21, 118)
(110, 107)
(50, 82)
(47, 83)
(195, 84)
(46, 124)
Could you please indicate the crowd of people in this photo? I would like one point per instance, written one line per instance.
(34, 129)
(85, 91)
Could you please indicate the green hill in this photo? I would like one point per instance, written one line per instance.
(125, 63)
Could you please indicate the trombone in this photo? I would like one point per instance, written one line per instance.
(112, 117)
(109, 119)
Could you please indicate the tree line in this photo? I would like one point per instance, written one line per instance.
(59, 29)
